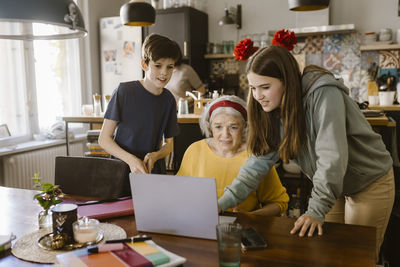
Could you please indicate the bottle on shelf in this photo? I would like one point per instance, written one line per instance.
(97, 105)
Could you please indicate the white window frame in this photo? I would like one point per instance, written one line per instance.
(29, 85)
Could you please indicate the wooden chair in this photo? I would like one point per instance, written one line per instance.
(90, 176)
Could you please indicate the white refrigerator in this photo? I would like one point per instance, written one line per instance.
(120, 53)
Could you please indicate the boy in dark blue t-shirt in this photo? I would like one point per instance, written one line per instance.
(142, 112)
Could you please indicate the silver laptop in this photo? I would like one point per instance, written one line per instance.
(176, 205)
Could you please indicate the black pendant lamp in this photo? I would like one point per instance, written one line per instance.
(40, 20)
(137, 13)
(307, 5)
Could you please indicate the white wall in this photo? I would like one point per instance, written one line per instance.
(96, 9)
(260, 16)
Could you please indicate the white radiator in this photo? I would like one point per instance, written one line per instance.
(20, 168)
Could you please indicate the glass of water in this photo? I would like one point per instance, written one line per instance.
(229, 240)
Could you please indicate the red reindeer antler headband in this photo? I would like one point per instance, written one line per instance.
(245, 48)
(285, 38)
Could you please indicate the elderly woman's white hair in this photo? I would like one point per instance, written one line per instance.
(205, 119)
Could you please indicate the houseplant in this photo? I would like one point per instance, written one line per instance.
(48, 196)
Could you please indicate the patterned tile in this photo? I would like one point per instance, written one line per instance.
(314, 44)
(368, 57)
(364, 78)
(352, 81)
(352, 41)
(332, 43)
(301, 60)
(231, 66)
(299, 48)
(243, 82)
(356, 80)
(349, 59)
(332, 61)
(389, 59)
(314, 59)
(217, 67)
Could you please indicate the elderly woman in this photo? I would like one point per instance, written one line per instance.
(223, 152)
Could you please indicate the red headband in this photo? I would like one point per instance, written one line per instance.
(229, 104)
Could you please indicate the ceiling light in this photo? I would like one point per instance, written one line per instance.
(137, 13)
(40, 20)
(232, 16)
(307, 5)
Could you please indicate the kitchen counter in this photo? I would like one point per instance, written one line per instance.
(190, 119)
(186, 118)
(391, 107)
(381, 121)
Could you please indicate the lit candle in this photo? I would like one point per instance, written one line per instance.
(86, 230)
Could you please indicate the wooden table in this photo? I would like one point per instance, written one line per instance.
(341, 245)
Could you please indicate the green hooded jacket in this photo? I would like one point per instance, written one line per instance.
(342, 154)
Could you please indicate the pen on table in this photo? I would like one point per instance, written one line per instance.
(130, 239)
(105, 247)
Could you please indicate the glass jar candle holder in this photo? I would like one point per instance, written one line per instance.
(85, 230)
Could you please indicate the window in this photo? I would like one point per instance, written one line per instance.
(39, 83)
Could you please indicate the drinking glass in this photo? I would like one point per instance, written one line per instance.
(229, 240)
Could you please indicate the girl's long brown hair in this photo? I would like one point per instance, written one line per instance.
(264, 130)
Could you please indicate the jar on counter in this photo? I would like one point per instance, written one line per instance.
(369, 37)
(215, 94)
(385, 35)
(218, 48)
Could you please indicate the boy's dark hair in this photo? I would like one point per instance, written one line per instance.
(156, 46)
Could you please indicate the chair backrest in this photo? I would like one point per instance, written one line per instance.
(90, 176)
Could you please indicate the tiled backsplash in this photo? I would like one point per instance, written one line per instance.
(339, 53)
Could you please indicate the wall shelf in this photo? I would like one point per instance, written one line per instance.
(217, 56)
(377, 46)
(321, 30)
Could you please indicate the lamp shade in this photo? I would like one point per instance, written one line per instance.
(307, 5)
(232, 17)
(40, 20)
(226, 19)
(137, 13)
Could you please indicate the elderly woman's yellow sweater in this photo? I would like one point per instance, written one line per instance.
(200, 161)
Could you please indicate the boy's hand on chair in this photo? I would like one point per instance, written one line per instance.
(149, 160)
(137, 166)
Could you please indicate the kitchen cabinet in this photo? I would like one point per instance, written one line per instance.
(189, 28)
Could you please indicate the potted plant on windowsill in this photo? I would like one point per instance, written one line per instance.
(48, 196)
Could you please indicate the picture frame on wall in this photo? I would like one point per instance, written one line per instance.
(4, 132)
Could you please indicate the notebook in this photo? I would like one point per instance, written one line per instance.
(140, 254)
(176, 205)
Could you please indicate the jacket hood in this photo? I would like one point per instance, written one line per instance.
(323, 81)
